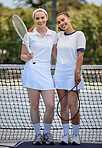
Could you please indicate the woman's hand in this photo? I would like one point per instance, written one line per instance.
(30, 56)
(25, 55)
(31, 29)
(77, 78)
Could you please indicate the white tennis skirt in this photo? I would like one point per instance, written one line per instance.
(64, 77)
(37, 76)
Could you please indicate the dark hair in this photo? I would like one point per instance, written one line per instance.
(65, 13)
(60, 13)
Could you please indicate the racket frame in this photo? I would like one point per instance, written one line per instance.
(26, 43)
(62, 98)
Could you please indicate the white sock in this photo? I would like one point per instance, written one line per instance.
(37, 128)
(47, 128)
(66, 129)
(75, 129)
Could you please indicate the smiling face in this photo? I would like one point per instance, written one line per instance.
(63, 22)
(40, 19)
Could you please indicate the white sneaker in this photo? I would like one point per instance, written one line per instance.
(65, 140)
(38, 139)
(48, 138)
(75, 140)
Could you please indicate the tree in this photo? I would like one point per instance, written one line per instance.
(30, 3)
(10, 43)
(88, 20)
(65, 5)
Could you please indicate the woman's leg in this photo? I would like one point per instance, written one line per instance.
(65, 115)
(34, 96)
(64, 105)
(76, 121)
(73, 105)
(48, 97)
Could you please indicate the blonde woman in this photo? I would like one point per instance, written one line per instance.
(37, 77)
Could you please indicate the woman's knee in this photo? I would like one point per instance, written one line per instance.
(34, 106)
(50, 107)
(73, 106)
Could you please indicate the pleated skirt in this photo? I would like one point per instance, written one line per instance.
(64, 77)
(37, 76)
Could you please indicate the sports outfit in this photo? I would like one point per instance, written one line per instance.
(38, 76)
(68, 46)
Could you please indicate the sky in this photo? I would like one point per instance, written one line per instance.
(96, 2)
(8, 3)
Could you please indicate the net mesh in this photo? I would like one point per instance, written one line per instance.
(15, 122)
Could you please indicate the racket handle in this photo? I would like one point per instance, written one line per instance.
(33, 61)
(29, 50)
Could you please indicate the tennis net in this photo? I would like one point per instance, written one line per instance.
(15, 122)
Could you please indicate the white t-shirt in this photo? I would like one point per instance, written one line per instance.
(68, 46)
(42, 46)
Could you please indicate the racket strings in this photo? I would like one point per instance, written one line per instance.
(19, 26)
(68, 106)
(22, 32)
(73, 104)
(64, 107)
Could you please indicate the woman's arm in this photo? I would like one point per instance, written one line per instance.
(54, 50)
(25, 56)
(78, 67)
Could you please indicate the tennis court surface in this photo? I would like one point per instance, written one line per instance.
(15, 123)
(29, 144)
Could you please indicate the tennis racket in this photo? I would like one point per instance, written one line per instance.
(71, 94)
(21, 31)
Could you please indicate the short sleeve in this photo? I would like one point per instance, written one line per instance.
(55, 39)
(81, 41)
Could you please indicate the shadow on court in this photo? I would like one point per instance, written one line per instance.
(29, 144)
